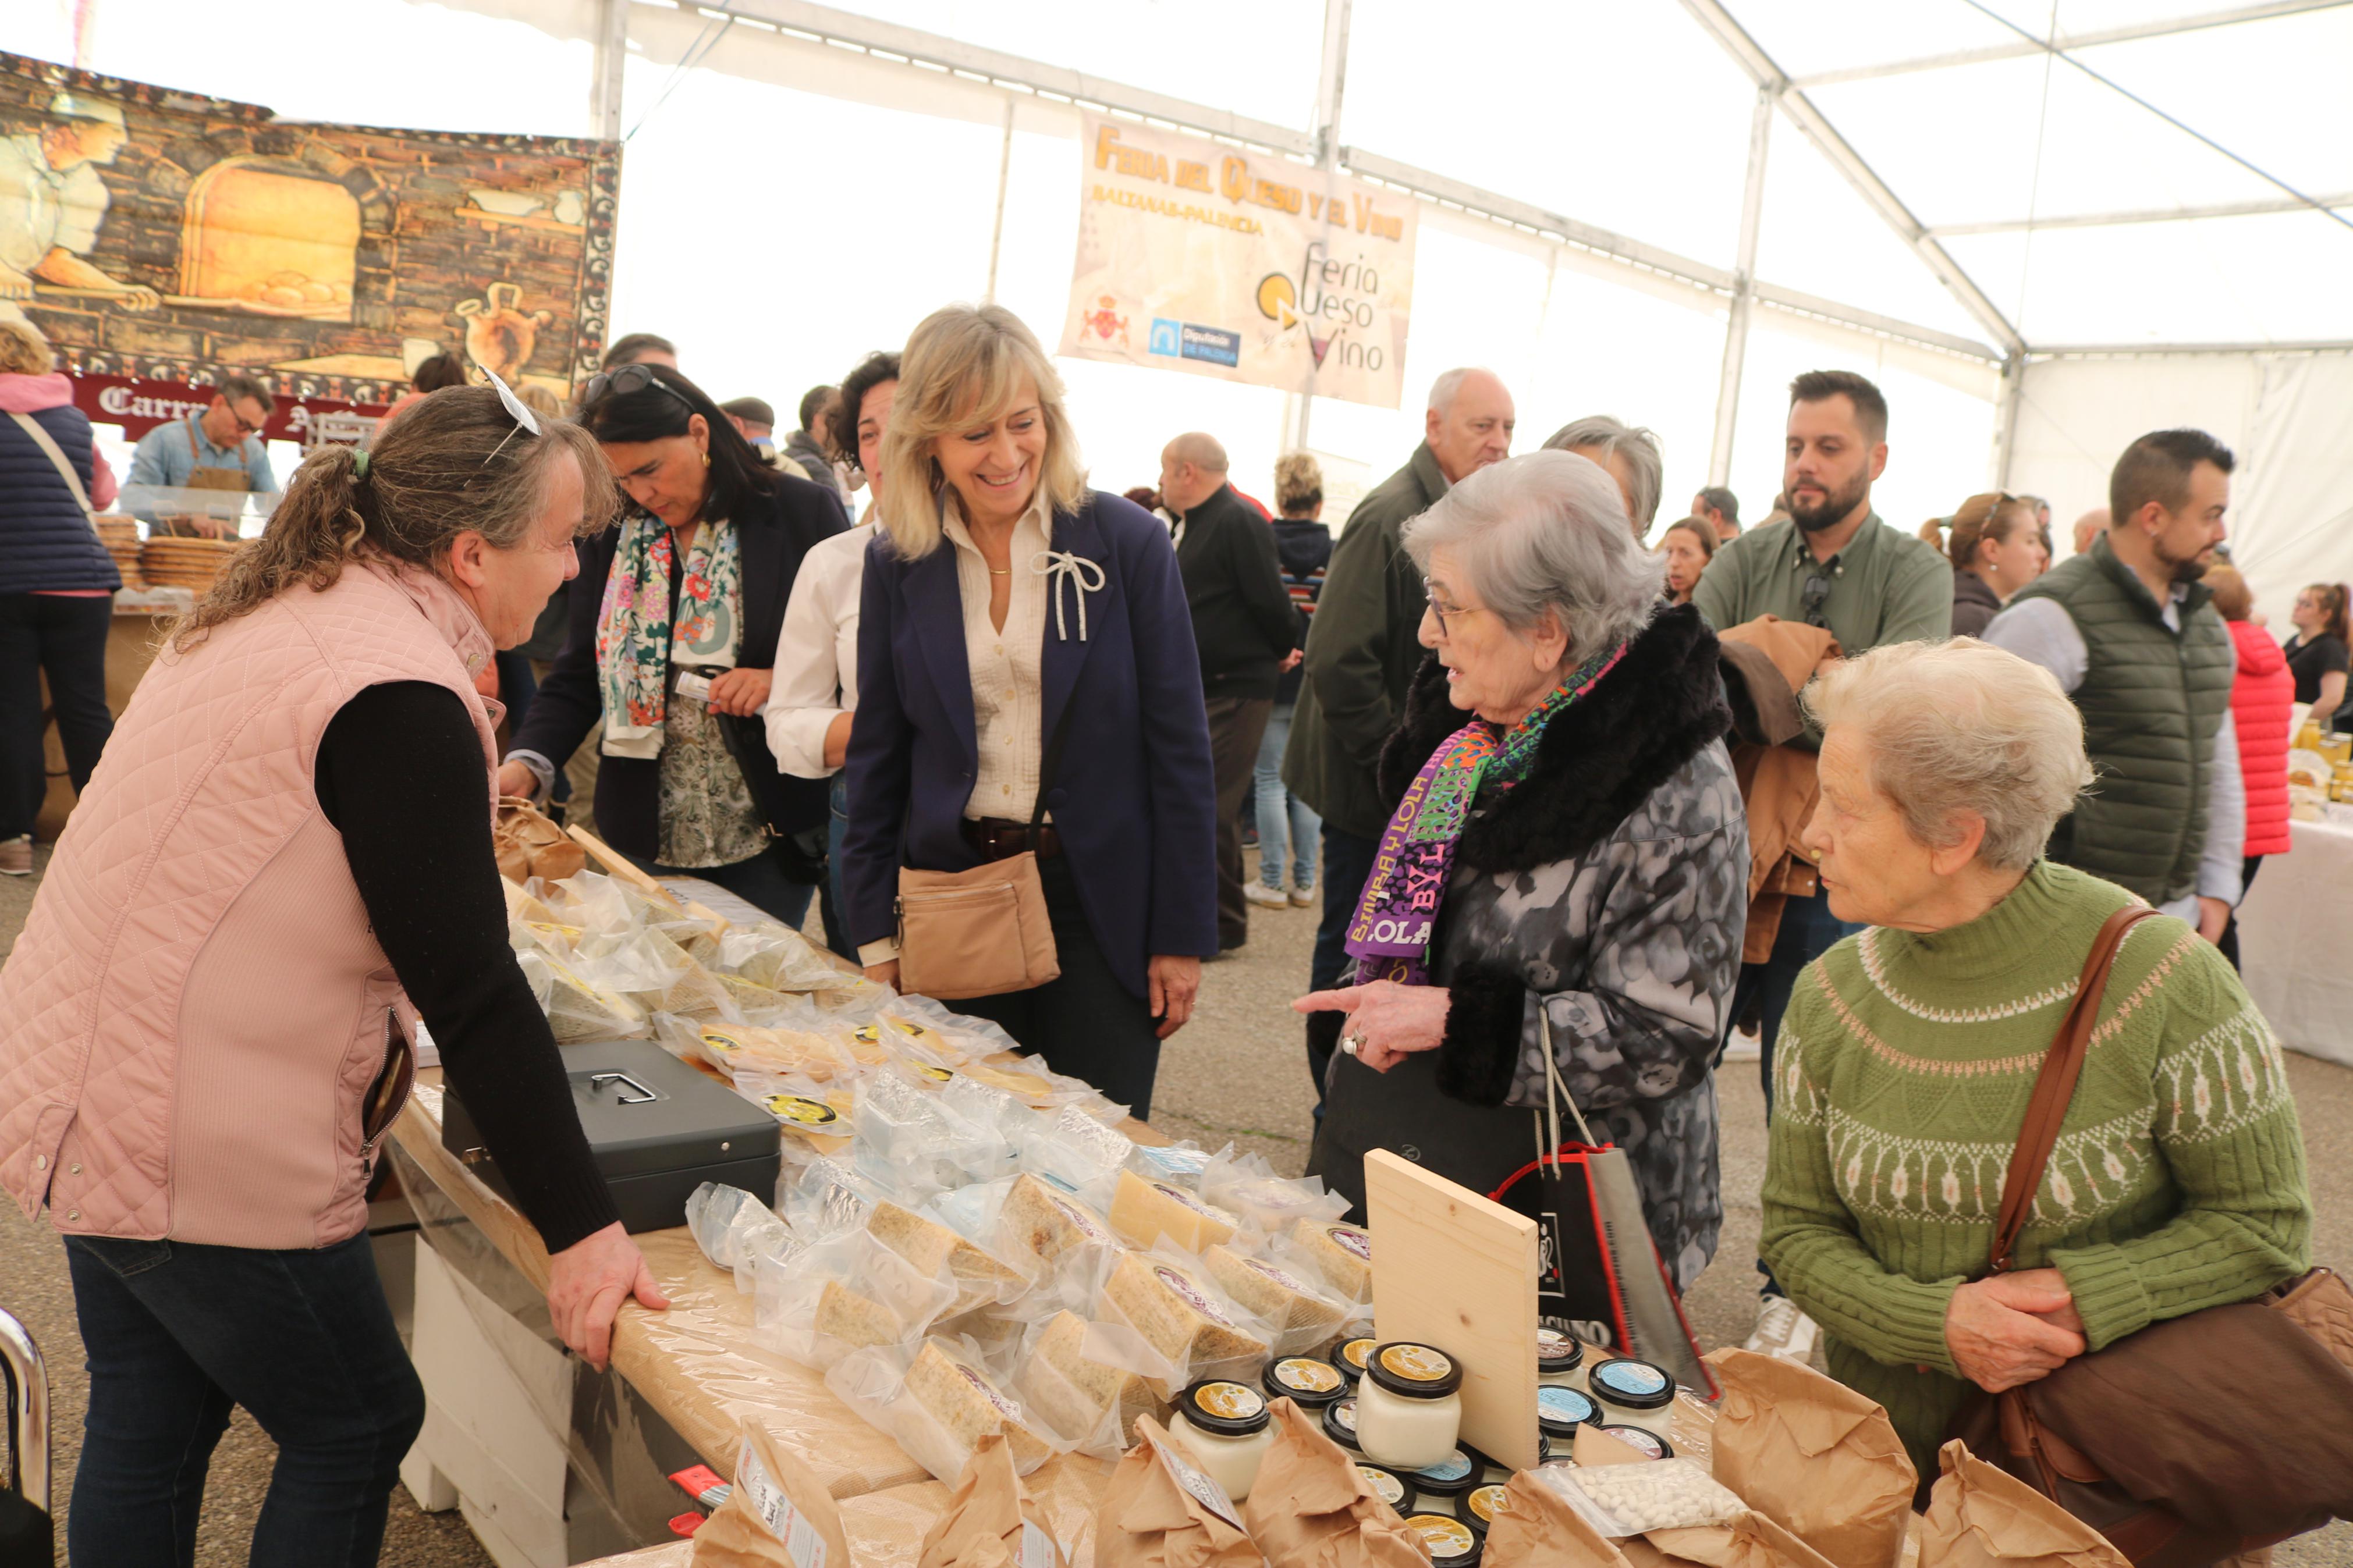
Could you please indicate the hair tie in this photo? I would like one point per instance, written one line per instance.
(359, 464)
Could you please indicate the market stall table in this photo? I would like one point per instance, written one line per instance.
(2292, 940)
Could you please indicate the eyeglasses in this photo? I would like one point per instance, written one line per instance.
(1817, 590)
(1445, 612)
(626, 379)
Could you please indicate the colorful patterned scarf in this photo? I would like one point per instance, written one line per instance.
(636, 641)
(1390, 935)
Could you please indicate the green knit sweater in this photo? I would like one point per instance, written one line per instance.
(1901, 1076)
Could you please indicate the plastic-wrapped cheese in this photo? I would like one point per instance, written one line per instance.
(1082, 1393)
(968, 1406)
(1173, 1311)
(853, 1319)
(1038, 1219)
(979, 1279)
(1143, 1212)
(1343, 1252)
(1295, 1308)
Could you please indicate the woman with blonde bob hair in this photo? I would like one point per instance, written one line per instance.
(1910, 1051)
(1030, 687)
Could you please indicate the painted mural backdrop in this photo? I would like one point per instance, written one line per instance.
(158, 236)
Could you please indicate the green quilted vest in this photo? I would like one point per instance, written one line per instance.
(2152, 700)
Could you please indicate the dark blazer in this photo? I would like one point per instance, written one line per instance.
(1243, 623)
(776, 531)
(1133, 801)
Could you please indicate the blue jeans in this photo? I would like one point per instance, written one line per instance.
(836, 935)
(1281, 812)
(1808, 930)
(176, 1335)
(759, 881)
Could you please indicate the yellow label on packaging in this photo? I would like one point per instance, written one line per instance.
(801, 1110)
(1445, 1536)
(1419, 1363)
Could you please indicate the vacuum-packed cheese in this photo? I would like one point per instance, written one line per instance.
(854, 1319)
(1289, 1303)
(1038, 1219)
(929, 1247)
(969, 1407)
(1074, 1394)
(1343, 1253)
(1176, 1314)
(1143, 1212)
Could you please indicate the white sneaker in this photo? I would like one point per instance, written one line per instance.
(1744, 1047)
(1258, 892)
(16, 856)
(1305, 896)
(1783, 1330)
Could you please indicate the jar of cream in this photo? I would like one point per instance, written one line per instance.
(1387, 1485)
(1224, 1427)
(1440, 1486)
(1340, 1423)
(1450, 1542)
(1479, 1510)
(1350, 1358)
(1643, 1439)
(1634, 1394)
(1409, 1404)
(1560, 1410)
(1312, 1384)
(1560, 1360)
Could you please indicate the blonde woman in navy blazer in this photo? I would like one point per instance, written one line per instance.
(1004, 599)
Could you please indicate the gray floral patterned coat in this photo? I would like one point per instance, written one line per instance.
(1607, 888)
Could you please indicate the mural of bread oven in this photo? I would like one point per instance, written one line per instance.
(270, 236)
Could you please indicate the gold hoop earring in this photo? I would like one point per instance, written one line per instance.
(706, 459)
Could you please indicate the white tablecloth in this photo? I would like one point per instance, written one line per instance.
(2296, 942)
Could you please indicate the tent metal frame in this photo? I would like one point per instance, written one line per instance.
(2022, 49)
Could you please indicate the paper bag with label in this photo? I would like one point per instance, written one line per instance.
(990, 1522)
(1161, 1510)
(1538, 1527)
(1311, 1507)
(778, 1516)
(1979, 1517)
(1751, 1541)
(1813, 1456)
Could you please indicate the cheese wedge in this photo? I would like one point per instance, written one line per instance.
(1143, 1212)
(979, 1279)
(1038, 1219)
(1343, 1252)
(1175, 1315)
(969, 1407)
(1289, 1303)
(854, 1319)
(1075, 1395)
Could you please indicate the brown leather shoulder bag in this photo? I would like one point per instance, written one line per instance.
(2199, 1438)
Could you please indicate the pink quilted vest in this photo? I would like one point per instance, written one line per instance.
(2262, 694)
(197, 1007)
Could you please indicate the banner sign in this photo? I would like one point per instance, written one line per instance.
(160, 236)
(139, 405)
(1214, 261)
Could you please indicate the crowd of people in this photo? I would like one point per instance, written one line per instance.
(1573, 808)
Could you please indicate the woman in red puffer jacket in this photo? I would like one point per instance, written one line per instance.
(2261, 696)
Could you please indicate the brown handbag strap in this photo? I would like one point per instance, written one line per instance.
(2055, 1086)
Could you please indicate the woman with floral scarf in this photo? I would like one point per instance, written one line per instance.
(1568, 838)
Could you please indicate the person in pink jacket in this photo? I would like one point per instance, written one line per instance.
(282, 860)
(2262, 693)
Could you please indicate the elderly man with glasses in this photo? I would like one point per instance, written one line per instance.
(1832, 564)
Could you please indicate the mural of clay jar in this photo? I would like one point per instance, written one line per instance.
(499, 335)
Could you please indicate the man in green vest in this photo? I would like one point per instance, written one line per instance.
(2127, 630)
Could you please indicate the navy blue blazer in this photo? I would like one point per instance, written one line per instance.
(1133, 801)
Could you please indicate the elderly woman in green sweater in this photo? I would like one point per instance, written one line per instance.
(1909, 1052)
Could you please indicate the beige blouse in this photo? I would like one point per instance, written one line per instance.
(1008, 704)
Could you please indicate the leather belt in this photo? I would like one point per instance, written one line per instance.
(998, 838)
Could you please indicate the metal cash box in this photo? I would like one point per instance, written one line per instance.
(657, 1127)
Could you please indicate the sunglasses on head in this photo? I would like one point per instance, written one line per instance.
(624, 380)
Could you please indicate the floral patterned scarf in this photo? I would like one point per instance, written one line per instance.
(637, 642)
(1389, 938)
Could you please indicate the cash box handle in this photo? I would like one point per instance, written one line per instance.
(643, 1097)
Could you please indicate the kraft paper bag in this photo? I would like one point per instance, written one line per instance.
(1981, 1517)
(1538, 1527)
(1593, 1447)
(1311, 1507)
(779, 1515)
(1752, 1540)
(990, 1522)
(1161, 1510)
(1814, 1456)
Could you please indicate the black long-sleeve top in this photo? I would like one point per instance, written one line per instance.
(400, 775)
(1244, 622)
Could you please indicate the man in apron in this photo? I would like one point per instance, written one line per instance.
(217, 448)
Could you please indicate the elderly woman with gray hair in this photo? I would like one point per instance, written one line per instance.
(1629, 453)
(1907, 1060)
(1569, 848)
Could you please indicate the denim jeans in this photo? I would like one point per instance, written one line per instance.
(833, 900)
(66, 638)
(759, 881)
(176, 1335)
(1808, 930)
(1281, 814)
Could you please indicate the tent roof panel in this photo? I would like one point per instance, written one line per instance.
(1807, 37)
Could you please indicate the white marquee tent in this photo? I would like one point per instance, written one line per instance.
(2043, 226)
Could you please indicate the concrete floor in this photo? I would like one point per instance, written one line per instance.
(1236, 1074)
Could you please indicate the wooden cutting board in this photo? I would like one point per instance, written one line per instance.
(1456, 1270)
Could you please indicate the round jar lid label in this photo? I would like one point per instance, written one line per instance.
(1637, 1437)
(1354, 1240)
(1344, 1414)
(1453, 1467)
(1311, 1376)
(1355, 1352)
(1385, 1487)
(799, 1109)
(1233, 1401)
(1445, 1535)
(1565, 1406)
(1419, 1363)
(1636, 1377)
(1487, 1502)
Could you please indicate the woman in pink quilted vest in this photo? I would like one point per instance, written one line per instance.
(203, 1027)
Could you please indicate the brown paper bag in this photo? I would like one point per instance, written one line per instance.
(1752, 1540)
(1593, 1447)
(779, 1515)
(528, 844)
(1163, 1511)
(1311, 1507)
(990, 1522)
(1538, 1527)
(1980, 1517)
(1813, 1456)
